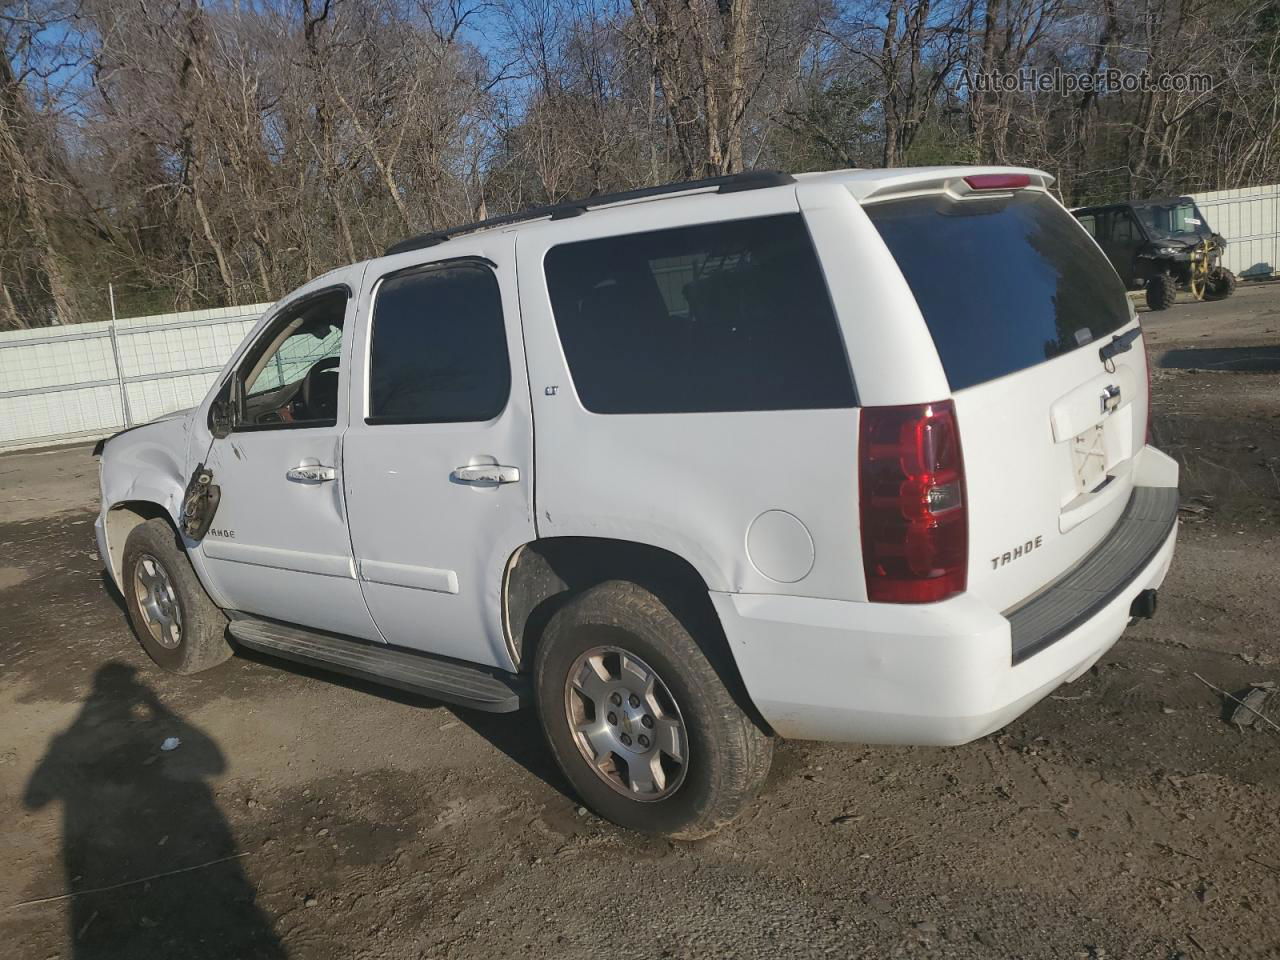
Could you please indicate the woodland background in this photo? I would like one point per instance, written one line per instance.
(202, 153)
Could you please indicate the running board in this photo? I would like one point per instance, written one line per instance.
(453, 681)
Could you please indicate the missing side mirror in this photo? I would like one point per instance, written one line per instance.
(222, 413)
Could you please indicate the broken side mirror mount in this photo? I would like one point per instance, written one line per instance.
(199, 502)
(222, 413)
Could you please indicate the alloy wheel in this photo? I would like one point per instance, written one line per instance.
(157, 602)
(626, 724)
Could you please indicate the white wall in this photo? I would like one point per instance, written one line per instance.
(1249, 218)
(63, 383)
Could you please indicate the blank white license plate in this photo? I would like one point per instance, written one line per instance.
(1089, 457)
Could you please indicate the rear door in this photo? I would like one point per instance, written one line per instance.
(692, 392)
(1019, 302)
(438, 459)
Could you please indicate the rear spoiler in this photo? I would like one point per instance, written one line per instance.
(954, 181)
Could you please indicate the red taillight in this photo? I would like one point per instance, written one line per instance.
(998, 181)
(915, 525)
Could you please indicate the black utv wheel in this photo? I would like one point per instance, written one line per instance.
(1222, 284)
(639, 718)
(175, 621)
(1162, 292)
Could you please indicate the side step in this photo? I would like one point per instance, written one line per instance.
(454, 681)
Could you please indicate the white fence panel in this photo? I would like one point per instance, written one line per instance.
(66, 383)
(1249, 219)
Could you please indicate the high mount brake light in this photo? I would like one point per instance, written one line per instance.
(997, 181)
(915, 524)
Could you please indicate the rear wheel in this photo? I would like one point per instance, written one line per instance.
(1162, 291)
(1222, 284)
(639, 719)
(177, 624)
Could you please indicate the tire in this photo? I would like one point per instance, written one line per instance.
(1162, 292)
(1222, 284)
(726, 755)
(153, 558)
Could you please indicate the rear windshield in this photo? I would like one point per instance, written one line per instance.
(1003, 284)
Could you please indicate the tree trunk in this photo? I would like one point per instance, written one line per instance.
(33, 214)
(9, 319)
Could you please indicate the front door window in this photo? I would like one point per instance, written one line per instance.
(293, 379)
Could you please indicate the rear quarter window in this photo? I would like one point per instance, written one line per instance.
(1003, 284)
(715, 317)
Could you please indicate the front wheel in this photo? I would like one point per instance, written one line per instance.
(1162, 291)
(639, 718)
(1222, 284)
(177, 624)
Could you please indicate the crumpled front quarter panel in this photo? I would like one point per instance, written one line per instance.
(147, 463)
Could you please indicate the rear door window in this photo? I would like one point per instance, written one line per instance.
(1003, 284)
(439, 351)
(715, 317)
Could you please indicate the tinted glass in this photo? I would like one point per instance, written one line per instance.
(1003, 284)
(716, 317)
(1105, 220)
(1124, 230)
(439, 352)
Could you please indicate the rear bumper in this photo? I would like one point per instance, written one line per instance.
(941, 673)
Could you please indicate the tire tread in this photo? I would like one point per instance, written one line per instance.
(204, 626)
(742, 755)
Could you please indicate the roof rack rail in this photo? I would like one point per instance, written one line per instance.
(731, 183)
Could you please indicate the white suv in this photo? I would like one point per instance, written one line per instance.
(853, 456)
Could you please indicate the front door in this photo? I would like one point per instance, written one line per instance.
(1121, 243)
(279, 546)
(438, 459)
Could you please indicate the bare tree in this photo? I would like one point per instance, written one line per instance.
(195, 152)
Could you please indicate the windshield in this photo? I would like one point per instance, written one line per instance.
(1179, 219)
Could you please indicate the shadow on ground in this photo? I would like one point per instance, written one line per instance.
(151, 866)
(518, 736)
(1255, 359)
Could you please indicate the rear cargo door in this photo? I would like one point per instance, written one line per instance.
(1030, 322)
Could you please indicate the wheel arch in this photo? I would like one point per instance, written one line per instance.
(119, 521)
(542, 575)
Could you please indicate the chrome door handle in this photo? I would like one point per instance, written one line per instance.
(311, 471)
(486, 473)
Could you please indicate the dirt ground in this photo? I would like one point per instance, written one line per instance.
(308, 817)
